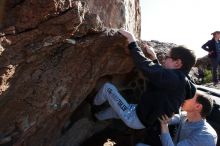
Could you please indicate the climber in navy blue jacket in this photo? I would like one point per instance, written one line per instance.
(169, 87)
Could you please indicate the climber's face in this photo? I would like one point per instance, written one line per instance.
(171, 63)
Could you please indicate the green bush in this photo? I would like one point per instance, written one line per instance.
(208, 76)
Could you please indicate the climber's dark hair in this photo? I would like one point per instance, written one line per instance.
(186, 56)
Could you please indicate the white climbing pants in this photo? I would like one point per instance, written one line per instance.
(119, 109)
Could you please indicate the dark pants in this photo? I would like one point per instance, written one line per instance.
(215, 63)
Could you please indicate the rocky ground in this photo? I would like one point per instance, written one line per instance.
(211, 85)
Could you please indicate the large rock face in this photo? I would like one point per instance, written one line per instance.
(53, 54)
(25, 15)
(118, 13)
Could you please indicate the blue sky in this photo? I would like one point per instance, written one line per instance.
(183, 22)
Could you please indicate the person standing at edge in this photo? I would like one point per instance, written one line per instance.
(213, 47)
(168, 88)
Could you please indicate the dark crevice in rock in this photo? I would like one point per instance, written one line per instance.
(83, 110)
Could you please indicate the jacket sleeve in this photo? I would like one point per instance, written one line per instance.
(158, 75)
(206, 46)
(166, 139)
